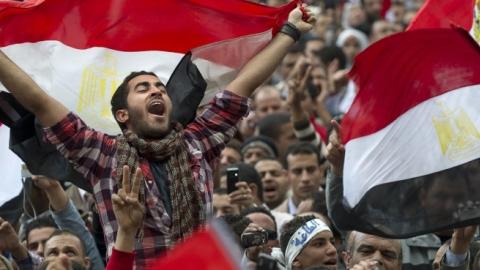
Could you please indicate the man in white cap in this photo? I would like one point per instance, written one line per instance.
(308, 242)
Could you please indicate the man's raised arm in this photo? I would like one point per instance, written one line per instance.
(260, 67)
(47, 110)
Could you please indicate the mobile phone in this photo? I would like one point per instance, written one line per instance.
(232, 179)
(250, 239)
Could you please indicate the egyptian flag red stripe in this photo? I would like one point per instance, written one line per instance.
(444, 14)
(412, 135)
(127, 25)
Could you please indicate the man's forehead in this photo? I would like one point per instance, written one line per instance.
(143, 78)
(263, 220)
(256, 149)
(326, 235)
(62, 240)
(220, 198)
(302, 158)
(264, 165)
(377, 242)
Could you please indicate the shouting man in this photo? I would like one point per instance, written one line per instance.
(177, 163)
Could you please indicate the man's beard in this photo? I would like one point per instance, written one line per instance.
(145, 130)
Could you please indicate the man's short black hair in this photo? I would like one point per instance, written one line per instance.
(259, 209)
(290, 228)
(296, 48)
(248, 174)
(235, 145)
(45, 221)
(263, 139)
(303, 148)
(119, 98)
(68, 232)
(330, 53)
(271, 124)
(271, 159)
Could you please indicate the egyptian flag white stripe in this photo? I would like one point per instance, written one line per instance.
(9, 189)
(416, 114)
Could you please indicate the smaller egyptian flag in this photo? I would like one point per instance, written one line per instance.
(444, 14)
(412, 135)
(212, 248)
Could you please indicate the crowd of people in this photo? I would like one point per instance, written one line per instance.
(259, 158)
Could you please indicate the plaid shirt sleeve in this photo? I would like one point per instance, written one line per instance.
(212, 129)
(90, 151)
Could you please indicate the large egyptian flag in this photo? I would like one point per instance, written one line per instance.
(412, 135)
(79, 51)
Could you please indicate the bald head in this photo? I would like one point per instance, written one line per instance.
(267, 101)
(367, 247)
(382, 29)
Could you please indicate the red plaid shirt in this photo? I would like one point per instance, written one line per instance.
(94, 155)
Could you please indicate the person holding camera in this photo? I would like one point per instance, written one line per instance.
(259, 238)
(305, 243)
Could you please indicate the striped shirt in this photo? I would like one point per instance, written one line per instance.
(93, 154)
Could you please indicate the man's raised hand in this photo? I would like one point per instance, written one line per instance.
(126, 205)
(298, 81)
(10, 242)
(296, 18)
(461, 239)
(336, 150)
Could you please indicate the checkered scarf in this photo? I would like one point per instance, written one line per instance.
(187, 206)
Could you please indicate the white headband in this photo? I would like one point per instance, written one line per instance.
(301, 237)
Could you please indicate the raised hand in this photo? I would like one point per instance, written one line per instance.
(126, 205)
(297, 83)
(55, 193)
(242, 196)
(9, 236)
(336, 78)
(336, 150)
(296, 18)
(45, 183)
(10, 242)
(461, 239)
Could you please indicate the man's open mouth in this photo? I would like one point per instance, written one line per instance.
(156, 107)
(331, 262)
(269, 190)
